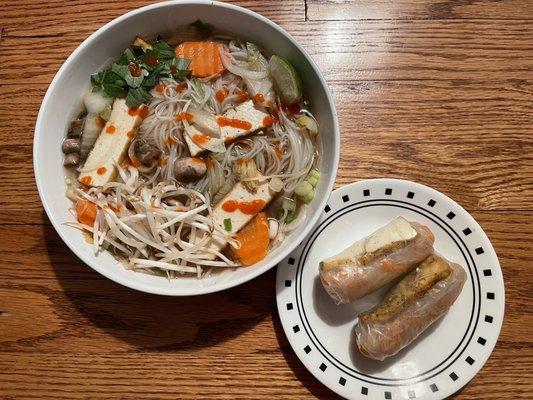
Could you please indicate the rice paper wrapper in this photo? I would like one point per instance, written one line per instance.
(382, 340)
(352, 282)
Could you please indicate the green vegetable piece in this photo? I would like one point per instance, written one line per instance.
(108, 82)
(291, 216)
(218, 156)
(285, 79)
(227, 224)
(162, 50)
(313, 177)
(124, 72)
(308, 197)
(256, 61)
(137, 96)
(179, 68)
(117, 81)
(303, 188)
(126, 57)
(153, 77)
(312, 180)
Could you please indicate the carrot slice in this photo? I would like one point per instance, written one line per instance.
(86, 212)
(204, 56)
(254, 239)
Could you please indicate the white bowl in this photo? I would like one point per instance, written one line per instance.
(106, 44)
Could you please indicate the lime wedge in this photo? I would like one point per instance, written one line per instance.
(286, 80)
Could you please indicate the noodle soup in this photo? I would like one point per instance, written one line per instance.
(192, 157)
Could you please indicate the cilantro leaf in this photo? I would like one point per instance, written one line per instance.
(227, 224)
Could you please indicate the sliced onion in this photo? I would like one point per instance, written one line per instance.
(309, 123)
(288, 204)
(205, 121)
(96, 102)
(276, 184)
(241, 71)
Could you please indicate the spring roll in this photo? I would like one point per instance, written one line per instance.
(376, 260)
(410, 307)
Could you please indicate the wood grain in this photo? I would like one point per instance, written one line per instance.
(61, 320)
(438, 91)
(440, 110)
(345, 51)
(419, 9)
(493, 175)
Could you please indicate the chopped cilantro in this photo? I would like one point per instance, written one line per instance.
(227, 224)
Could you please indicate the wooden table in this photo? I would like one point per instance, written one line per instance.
(438, 92)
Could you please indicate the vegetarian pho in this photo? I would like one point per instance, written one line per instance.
(190, 158)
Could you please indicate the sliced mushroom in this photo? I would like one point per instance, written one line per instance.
(189, 169)
(145, 152)
(72, 160)
(76, 127)
(71, 146)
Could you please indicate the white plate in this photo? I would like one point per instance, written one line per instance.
(445, 357)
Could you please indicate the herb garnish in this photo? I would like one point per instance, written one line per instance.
(136, 72)
(227, 224)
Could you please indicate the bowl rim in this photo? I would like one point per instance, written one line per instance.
(174, 291)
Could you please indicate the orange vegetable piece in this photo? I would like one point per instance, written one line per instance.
(86, 212)
(204, 56)
(254, 239)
